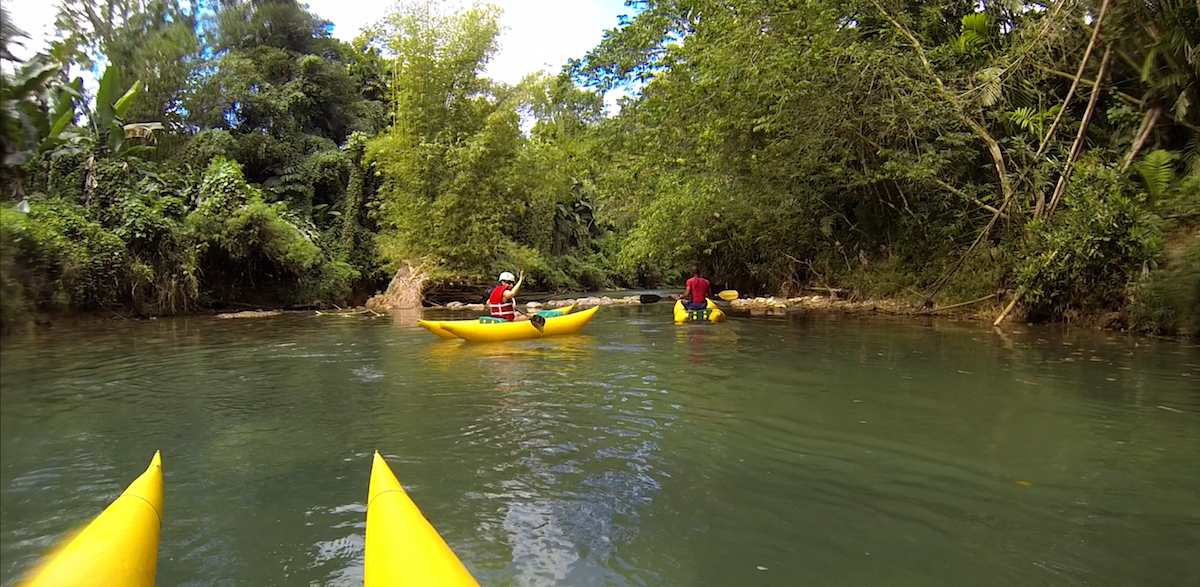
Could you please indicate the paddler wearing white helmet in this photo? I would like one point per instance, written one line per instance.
(501, 302)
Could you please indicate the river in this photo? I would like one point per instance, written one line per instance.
(762, 451)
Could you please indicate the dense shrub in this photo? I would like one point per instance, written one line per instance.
(1087, 255)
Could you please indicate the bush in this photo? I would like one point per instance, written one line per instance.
(1169, 300)
(1087, 255)
(55, 258)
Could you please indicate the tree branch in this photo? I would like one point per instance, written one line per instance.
(967, 196)
(1087, 54)
(993, 146)
(1144, 132)
(1077, 147)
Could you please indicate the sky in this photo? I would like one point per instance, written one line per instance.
(538, 34)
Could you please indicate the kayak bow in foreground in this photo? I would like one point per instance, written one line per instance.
(403, 549)
(119, 547)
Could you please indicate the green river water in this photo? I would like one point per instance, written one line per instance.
(763, 451)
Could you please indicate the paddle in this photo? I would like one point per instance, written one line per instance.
(727, 295)
(539, 322)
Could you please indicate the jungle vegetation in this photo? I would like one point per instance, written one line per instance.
(234, 152)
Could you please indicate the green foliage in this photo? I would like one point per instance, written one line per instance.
(1086, 258)
(1169, 299)
(1157, 170)
(56, 258)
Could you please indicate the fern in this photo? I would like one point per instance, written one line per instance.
(1157, 169)
(1191, 156)
(991, 87)
(977, 23)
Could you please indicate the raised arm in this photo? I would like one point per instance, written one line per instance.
(512, 293)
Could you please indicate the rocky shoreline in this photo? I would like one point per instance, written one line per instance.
(772, 305)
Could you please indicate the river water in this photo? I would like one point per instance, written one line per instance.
(762, 451)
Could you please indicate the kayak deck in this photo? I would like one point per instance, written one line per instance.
(437, 326)
(711, 313)
(474, 331)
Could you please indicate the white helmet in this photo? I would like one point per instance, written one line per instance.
(506, 276)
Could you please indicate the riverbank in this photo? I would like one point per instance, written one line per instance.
(838, 302)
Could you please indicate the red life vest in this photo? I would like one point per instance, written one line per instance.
(498, 306)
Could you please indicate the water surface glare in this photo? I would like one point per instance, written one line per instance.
(763, 451)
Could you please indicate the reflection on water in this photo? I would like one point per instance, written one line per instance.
(759, 451)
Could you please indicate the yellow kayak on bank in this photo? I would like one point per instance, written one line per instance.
(403, 549)
(119, 547)
(711, 313)
(435, 326)
(496, 331)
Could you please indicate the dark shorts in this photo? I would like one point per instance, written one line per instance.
(690, 305)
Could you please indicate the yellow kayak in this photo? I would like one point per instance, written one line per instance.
(435, 326)
(403, 549)
(712, 313)
(568, 324)
(119, 547)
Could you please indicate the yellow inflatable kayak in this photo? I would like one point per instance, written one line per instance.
(712, 313)
(119, 547)
(403, 549)
(476, 331)
(435, 326)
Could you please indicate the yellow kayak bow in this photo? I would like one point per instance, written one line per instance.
(119, 547)
(403, 549)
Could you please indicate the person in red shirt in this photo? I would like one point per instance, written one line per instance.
(501, 302)
(695, 297)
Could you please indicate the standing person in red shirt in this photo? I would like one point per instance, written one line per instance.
(695, 297)
(501, 302)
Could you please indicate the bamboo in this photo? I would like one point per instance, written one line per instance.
(1087, 54)
(1017, 298)
(1008, 308)
(1144, 133)
(961, 304)
(1077, 147)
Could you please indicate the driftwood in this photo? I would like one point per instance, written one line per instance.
(251, 314)
(349, 312)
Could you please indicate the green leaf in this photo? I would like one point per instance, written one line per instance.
(59, 126)
(1157, 169)
(106, 95)
(33, 77)
(977, 23)
(122, 105)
